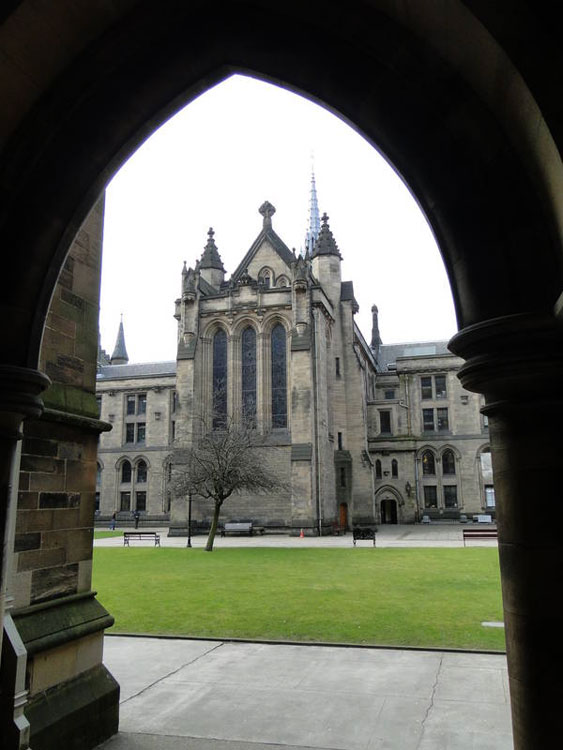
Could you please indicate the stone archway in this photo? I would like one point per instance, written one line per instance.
(389, 502)
(463, 102)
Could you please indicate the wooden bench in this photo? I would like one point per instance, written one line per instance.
(479, 534)
(141, 535)
(237, 527)
(363, 532)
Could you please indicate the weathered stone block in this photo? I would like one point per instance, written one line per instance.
(28, 500)
(50, 583)
(40, 558)
(27, 541)
(59, 499)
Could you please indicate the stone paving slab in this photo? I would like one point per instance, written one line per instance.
(207, 695)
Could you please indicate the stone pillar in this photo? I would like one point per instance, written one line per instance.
(517, 363)
(20, 390)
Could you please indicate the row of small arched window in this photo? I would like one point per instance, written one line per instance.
(429, 463)
(126, 472)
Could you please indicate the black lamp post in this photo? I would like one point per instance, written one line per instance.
(189, 543)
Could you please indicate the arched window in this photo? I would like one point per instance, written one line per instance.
(282, 282)
(394, 468)
(248, 375)
(378, 469)
(279, 376)
(98, 473)
(219, 379)
(141, 472)
(125, 472)
(428, 464)
(448, 462)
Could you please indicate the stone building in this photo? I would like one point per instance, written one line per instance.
(360, 433)
(428, 439)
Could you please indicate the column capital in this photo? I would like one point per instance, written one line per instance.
(20, 389)
(516, 358)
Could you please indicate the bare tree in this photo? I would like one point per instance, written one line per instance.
(221, 462)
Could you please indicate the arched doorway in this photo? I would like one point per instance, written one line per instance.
(388, 510)
(485, 168)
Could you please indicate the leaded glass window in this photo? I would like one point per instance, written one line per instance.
(430, 496)
(448, 462)
(219, 380)
(428, 464)
(249, 375)
(279, 377)
(125, 472)
(141, 472)
(450, 496)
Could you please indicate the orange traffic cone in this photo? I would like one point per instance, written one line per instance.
(301, 535)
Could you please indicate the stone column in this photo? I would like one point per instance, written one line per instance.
(20, 390)
(517, 363)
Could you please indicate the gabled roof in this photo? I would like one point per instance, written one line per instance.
(267, 234)
(279, 246)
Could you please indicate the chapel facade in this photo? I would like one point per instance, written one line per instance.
(359, 433)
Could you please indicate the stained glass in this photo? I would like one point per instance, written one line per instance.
(219, 379)
(248, 375)
(279, 377)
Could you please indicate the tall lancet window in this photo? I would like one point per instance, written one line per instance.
(219, 380)
(249, 375)
(279, 377)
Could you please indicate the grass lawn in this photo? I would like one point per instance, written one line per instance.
(400, 597)
(105, 534)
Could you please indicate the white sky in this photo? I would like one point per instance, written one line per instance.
(212, 165)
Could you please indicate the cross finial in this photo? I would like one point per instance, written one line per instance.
(324, 218)
(267, 211)
(210, 233)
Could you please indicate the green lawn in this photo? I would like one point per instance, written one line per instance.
(105, 534)
(400, 597)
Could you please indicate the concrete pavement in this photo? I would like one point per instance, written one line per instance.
(206, 695)
(390, 535)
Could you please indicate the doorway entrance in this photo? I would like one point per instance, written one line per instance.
(343, 517)
(388, 510)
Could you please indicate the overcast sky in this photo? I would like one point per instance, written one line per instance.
(212, 165)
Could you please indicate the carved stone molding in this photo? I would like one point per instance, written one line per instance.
(514, 359)
(20, 397)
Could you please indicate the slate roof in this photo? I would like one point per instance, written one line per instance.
(140, 370)
(211, 257)
(325, 244)
(120, 350)
(389, 353)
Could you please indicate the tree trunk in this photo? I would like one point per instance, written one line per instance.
(213, 529)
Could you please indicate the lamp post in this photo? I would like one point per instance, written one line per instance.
(189, 543)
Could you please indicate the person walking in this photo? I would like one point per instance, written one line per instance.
(113, 521)
(136, 516)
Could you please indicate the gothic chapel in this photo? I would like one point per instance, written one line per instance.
(277, 344)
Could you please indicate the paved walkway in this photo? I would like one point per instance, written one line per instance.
(205, 695)
(419, 535)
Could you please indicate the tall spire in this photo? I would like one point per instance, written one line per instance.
(314, 221)
(120, 356)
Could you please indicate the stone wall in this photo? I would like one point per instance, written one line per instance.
(59, 624)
